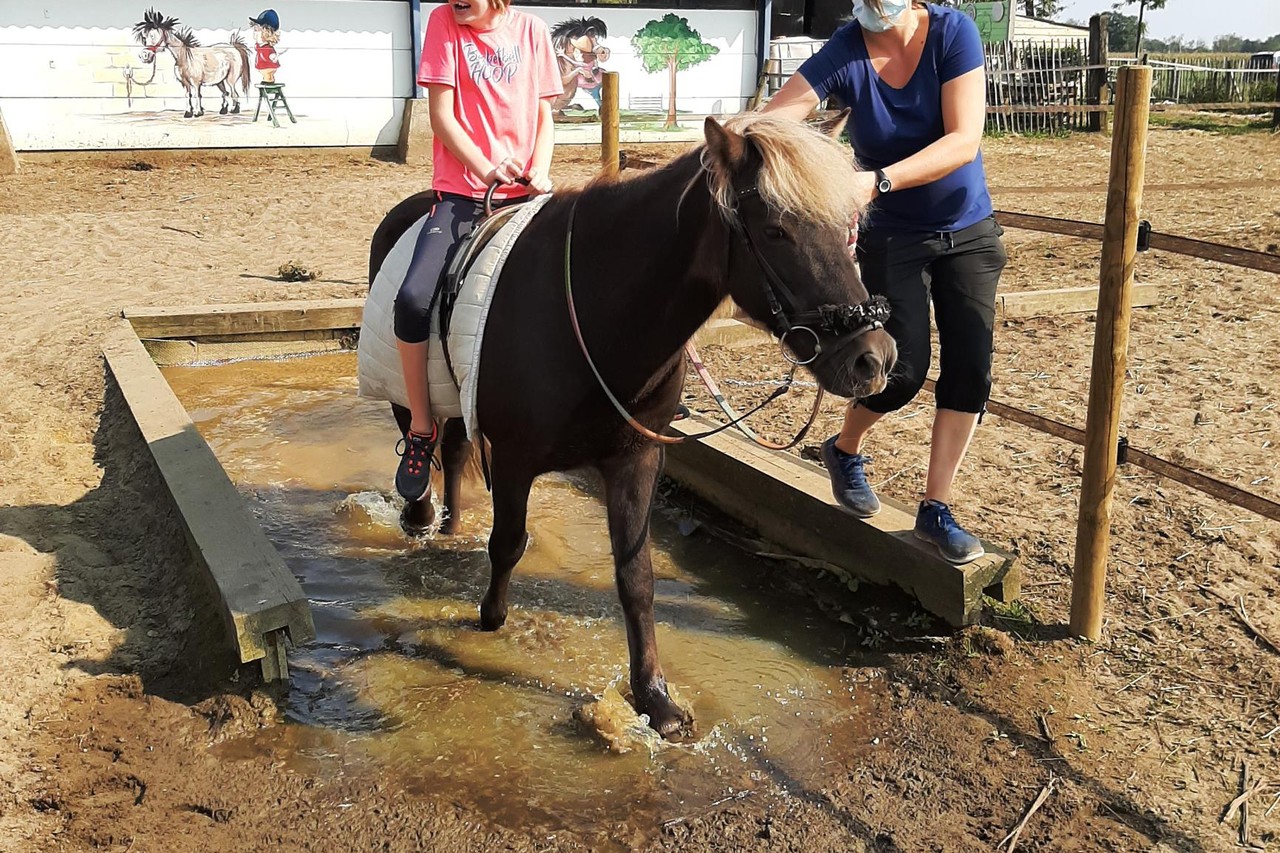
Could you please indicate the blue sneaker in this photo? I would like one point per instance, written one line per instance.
(936, 524)
(849, 480)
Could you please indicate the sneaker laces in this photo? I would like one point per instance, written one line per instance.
(946, 520)
(852, 466)
(418, 450)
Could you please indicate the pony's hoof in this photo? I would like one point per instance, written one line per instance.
(235, 109)
(449, 525)
(492, 616)
(222, 111)
(187, 114)
(665, 716)
(416, 518)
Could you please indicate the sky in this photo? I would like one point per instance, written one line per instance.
(1193, 19)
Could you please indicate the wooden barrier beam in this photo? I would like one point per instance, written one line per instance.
(261, 601)
(1067, 300)
(245, 318)
(1049, 225)
(1248, 258)
(788, 501)
(1110, 349)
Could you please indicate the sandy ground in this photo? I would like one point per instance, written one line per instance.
(111, 693)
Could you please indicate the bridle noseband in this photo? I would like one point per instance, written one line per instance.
(846, 322)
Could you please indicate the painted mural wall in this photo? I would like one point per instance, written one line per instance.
(674, 67)
(182, 73)
(104, 74)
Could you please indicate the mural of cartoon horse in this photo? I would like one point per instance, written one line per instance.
(223, 65)
(579, 54)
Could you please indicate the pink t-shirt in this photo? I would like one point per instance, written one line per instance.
(498, 77)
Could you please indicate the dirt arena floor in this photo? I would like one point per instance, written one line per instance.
(110, 694)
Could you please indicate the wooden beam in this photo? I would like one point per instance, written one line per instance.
(729, 333)
(245, 318)
(788, 501)
(1067, 300)
(257, 593)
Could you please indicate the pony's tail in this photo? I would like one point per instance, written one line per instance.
(242, 48)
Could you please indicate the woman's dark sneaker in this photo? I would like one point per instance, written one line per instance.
(417, 455)
(936, 524)
(849, 480)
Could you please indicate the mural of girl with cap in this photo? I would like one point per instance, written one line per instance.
(266, 32)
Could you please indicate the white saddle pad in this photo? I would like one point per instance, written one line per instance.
(378, 360)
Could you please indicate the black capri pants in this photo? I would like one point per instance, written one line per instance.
(959, 271)
(451, 218)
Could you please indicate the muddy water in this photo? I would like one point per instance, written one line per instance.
(401, 680)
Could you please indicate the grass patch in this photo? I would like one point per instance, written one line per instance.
(1015, 617)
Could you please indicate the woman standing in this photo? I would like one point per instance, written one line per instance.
(912, 74)
(491, 76)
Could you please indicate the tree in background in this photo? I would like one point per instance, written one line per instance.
(1122, 32)
(1041, 8)
(669, 42)
(1143, 6)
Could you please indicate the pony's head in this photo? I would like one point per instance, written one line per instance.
(786, 192)
(155, 32)
(152, 32)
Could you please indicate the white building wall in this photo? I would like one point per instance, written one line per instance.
(73, 73)
(1037, 30)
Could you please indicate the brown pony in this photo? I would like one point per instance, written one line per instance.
(759, 213)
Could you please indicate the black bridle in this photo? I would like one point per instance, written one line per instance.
(846, 322)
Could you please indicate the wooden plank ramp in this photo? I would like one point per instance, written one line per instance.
(262, 603)
(202, 321)
(788, 501)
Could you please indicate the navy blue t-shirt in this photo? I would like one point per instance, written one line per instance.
(888, 124)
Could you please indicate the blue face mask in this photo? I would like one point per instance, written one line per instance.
(869, 20)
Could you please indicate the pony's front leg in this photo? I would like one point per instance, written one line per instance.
(507, 541)
(455, 450)
(630, 485)
(191, 105)
(199, 100)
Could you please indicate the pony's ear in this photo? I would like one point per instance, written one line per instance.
(834, 126)
(727, 148)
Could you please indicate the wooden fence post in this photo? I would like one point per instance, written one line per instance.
(1098, 54)
(1110, 348)
(609, 161)
(1275, 112)
(8, 157)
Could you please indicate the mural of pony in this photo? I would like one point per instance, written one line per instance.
(223, 65)
(579, 54)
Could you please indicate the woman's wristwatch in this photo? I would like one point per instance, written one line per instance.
(883, 184)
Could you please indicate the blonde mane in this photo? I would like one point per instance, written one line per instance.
(805, 172)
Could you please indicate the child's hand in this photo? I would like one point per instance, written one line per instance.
(538, 182)
(505, 172)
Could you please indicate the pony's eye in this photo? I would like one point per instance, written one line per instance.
(773, 232)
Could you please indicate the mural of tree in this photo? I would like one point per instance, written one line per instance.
(671, 43)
